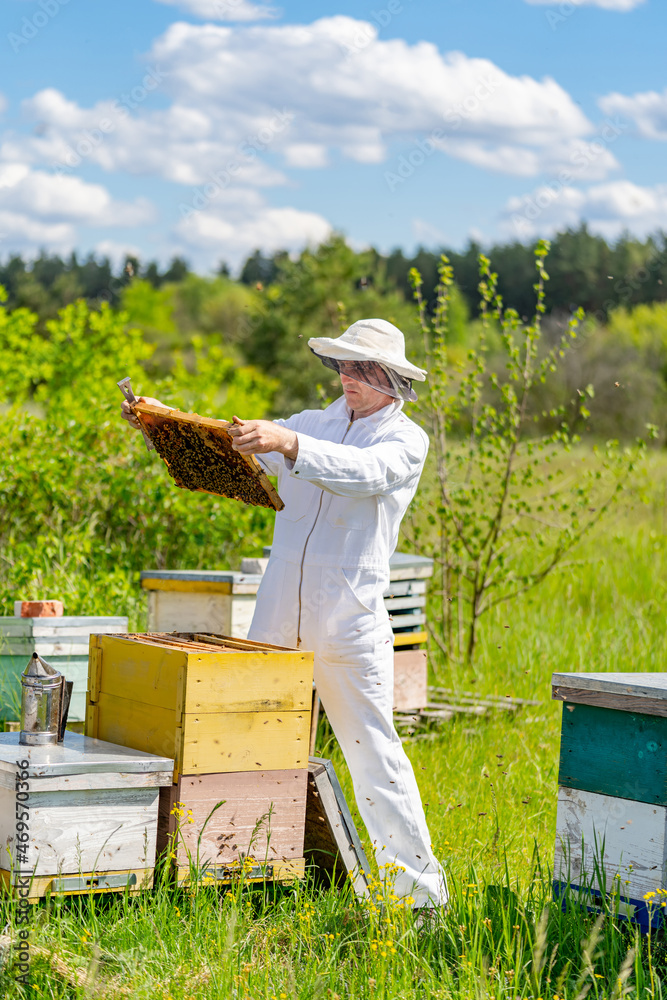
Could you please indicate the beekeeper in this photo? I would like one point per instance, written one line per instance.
(347, 475)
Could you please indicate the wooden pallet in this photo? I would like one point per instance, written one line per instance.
(444, 704)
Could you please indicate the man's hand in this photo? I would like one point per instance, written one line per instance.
(257, 437)
(128, 415)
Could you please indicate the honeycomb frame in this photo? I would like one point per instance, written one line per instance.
(199, 456)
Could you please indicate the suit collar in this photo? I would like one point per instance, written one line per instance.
(339, 410)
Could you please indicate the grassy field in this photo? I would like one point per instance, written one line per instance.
(489, 786)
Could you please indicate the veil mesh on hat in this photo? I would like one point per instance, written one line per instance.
(376, 375)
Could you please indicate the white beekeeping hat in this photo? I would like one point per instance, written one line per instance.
(369, 340)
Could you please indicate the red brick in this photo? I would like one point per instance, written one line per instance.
(41, 609)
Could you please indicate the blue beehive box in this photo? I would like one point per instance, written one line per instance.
(611, 827)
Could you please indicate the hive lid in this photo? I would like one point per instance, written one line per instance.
(401, 562)
(66, 621)
(630, 685)
(68, 625)
(78, 754)
(201, 575)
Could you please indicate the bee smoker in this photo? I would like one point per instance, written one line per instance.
(45, 698)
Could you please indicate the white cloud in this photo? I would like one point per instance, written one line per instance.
(12, 174)
(54, 198)
(45, 210)
(648, 111)
(588, 160)
(619, 5)
(350, 90)
(19, 232)
(3, 103)
(609, 209)
(232, 224)
(306, 155)
(476, 235)
(224, 10)
(303, 92)
(182, 143)
(425, 234)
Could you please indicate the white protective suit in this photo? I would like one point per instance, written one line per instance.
(345, 496)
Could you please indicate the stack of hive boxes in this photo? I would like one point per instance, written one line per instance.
(235, 716)
(405, 600)
(611, 829)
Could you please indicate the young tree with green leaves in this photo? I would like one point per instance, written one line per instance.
(509, 502)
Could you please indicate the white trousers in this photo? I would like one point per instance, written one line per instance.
(354, 676)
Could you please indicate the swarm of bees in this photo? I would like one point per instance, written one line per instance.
(199, 456)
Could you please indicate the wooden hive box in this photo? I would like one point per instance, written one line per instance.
(611, 828)
(78, 817)
(215, 706)
(62, 641)
(216, 822)
(218, 601)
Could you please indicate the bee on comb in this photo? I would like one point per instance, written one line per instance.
(199, 456)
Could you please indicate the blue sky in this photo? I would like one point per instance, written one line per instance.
(210, 127)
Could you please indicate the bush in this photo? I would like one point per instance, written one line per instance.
(83, 505)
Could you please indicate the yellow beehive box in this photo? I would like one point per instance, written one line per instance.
(213, 704)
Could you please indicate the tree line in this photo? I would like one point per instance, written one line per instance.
(585, 271)
(612, 385)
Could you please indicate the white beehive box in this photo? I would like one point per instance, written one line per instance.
(216, 601)
(62, 641)
(80, 816)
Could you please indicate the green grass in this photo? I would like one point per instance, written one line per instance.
(489, 787)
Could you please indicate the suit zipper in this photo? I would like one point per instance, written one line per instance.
(305, 546)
